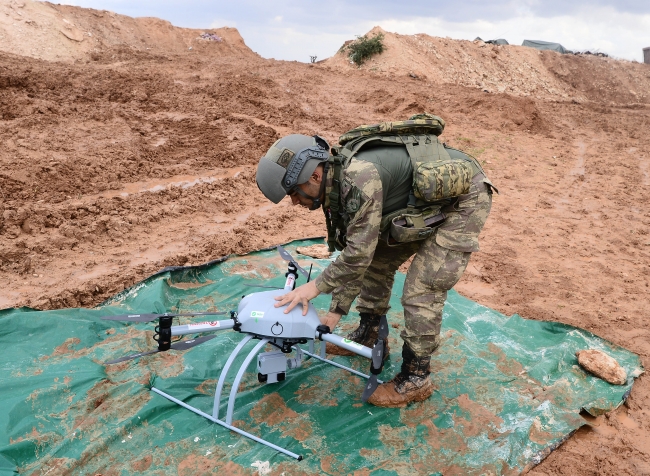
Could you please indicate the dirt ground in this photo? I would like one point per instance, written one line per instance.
(130, 154)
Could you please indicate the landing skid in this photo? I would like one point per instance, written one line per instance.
(233, 391)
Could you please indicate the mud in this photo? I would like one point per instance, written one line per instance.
(273, 411)
(204, 466)
(130, 153)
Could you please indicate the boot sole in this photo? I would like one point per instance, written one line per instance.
(419, 395)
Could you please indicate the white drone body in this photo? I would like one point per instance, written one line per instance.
(258, 318)
(258, 315)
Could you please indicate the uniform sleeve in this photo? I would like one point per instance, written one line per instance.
(343, 296)
(362, 232)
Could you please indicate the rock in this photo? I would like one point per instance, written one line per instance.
(602, 365)
(12, 232)
(315, 251)
(26, 227)
(72, 32)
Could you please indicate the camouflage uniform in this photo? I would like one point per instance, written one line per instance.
(366, 266)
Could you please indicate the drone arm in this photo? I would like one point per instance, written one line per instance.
(213, 326)
(362, 350)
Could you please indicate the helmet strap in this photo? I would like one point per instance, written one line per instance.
(316, 201)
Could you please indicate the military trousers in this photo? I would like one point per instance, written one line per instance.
(438, 264)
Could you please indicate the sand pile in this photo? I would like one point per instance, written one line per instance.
(57, 32)
(507, 69)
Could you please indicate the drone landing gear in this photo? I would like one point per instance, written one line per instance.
(269, 367)
(232, 397)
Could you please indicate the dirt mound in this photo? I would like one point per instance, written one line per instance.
(507, 69)
(65, 33)
(604, 80)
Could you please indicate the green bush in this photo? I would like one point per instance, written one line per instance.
(363, 48)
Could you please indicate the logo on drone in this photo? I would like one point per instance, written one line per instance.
(351, 343)
(257, 314)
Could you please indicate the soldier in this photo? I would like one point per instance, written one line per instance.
(362, 192)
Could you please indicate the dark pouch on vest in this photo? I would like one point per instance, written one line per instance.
(409, 227)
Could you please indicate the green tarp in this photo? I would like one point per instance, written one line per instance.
(508, 391)
(498, 41)
(545, 45)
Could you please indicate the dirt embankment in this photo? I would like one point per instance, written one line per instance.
(57, 32)
(510, 69)
(116, 167)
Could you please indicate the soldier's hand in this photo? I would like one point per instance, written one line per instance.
(331, 320)
(300, 295)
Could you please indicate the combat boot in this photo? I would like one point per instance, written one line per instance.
(366, 334)
(411, 384)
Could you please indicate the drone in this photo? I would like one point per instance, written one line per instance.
(257, 318)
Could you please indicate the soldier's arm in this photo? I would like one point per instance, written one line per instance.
(362, 231)
(343, 296)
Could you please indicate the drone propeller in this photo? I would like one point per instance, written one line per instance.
(371, 386)
(377, 360)
(287, 257)
(153, 317)
(182, 345)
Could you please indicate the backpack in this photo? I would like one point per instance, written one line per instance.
(436, 176)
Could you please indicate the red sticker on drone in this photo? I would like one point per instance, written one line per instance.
(199, 324)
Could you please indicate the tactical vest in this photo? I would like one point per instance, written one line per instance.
(437, 180)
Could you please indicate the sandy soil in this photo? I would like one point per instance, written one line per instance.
(511, 69)
(118, 160)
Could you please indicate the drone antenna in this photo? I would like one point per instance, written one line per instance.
(292, 275)
(309, 275)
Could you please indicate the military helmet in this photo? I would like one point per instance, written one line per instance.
(289, 162)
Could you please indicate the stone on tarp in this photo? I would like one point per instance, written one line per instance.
(602, 365)
(315, 251)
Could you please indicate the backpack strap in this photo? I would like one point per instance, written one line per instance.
(333, 217)
(425, 148)
(351, 148)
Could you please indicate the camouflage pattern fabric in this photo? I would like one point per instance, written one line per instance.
(366, 267)
(426, 115)
(438, 265)
(419, 124)
(436, 175)
(436, 181)
(362, 186)
(374, 288)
